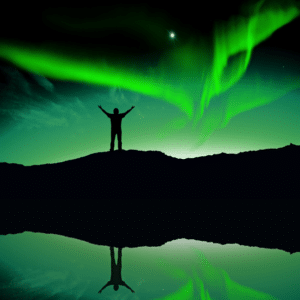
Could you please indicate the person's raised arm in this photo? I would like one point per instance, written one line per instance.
(123, 283)
(129, 110)
(103, 110)
(108, 283)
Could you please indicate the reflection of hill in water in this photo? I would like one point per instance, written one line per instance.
(63, 268)
(152, 175)
(135, 198)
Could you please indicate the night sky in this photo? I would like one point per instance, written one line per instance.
(222, 79)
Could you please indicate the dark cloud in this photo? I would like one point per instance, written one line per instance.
(44, 82)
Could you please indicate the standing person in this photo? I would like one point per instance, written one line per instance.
(116, 120)
(116, 277)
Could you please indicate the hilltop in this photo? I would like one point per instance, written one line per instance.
(135, 198)
(152, 175)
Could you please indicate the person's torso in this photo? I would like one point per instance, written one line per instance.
(116, 122)
(116, 274)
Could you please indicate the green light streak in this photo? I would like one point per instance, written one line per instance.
(203, 293)
(265, 93)
(237, 291)
(239, 36)
(214, 278)
(186, 293)
(174, 125)
(234, 41)
(184, 77)
(58, 66)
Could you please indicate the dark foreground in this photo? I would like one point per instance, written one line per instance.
(134, 198)
(136, 175)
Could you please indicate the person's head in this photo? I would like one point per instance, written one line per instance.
(116, 287)
(116, 111)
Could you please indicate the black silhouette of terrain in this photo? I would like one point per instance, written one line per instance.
(136, 175)
(134, 198)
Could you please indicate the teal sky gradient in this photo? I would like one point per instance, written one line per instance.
(49, 120)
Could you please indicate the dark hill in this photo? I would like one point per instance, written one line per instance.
(134, 198)
(152, 175)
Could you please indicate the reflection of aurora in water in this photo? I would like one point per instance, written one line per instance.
(208, 282)
(181, 269)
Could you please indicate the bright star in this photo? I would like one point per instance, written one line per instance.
(172, 35)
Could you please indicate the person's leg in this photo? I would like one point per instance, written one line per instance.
(119, 257)
(112, 143)
(112, 263)
(119, 263)
(112, 254)
(120, 140)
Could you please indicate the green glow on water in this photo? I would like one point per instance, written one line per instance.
(52, 264)
(214, 277)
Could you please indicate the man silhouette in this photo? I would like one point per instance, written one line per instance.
(116, 277)
(116, 120)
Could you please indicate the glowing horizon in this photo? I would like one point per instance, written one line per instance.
(203, 86)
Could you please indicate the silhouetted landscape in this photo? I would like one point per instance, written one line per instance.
(126, 199)
(84, 88)
(134, 198)
(137, 175)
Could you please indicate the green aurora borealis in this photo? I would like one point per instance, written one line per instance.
(220, 91)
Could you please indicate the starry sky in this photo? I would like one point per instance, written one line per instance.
(222, 79)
